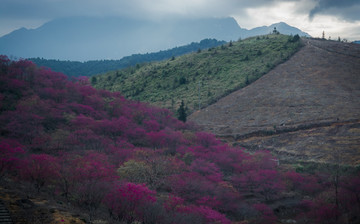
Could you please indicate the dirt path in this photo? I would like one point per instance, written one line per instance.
(318, 85)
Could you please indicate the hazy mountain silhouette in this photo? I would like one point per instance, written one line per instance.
(85, 38)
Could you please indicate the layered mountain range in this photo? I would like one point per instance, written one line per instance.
(85, 38)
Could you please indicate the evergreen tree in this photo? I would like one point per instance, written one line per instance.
(296, 38)
(93, 80)
(247, 82)
(275, 31)
(181, 112)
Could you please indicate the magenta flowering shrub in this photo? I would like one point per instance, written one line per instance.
(40, 169)
(127, 201)
(265, 214)
(10, 154)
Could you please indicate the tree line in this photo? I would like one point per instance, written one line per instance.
(89, 68)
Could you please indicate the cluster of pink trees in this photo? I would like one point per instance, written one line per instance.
(96, 149)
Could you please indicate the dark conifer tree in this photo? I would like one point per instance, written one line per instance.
(182, 112)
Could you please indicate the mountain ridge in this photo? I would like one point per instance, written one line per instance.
(86, 38)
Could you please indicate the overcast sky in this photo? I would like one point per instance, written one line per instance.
(335, 17)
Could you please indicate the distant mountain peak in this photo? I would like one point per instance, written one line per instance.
(282, 27)
(280, 23)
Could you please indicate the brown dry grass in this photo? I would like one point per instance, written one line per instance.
(308, 108)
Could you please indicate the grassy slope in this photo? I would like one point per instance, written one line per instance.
(218, 71)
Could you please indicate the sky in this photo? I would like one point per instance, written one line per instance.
(337, 18)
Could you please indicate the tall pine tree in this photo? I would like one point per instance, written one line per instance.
(181, 112)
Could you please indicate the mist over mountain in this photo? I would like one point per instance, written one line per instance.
(87, 38)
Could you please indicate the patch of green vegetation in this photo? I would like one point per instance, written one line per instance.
(203, 77)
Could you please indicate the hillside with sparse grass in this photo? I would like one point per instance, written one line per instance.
(201, 78)
(306, 109)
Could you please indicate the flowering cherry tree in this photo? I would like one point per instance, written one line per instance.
(127, 201)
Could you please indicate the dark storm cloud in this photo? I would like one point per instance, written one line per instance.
(13, 13)
(346, 9)
(49, 9)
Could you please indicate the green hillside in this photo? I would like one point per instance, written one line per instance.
(201, 78)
